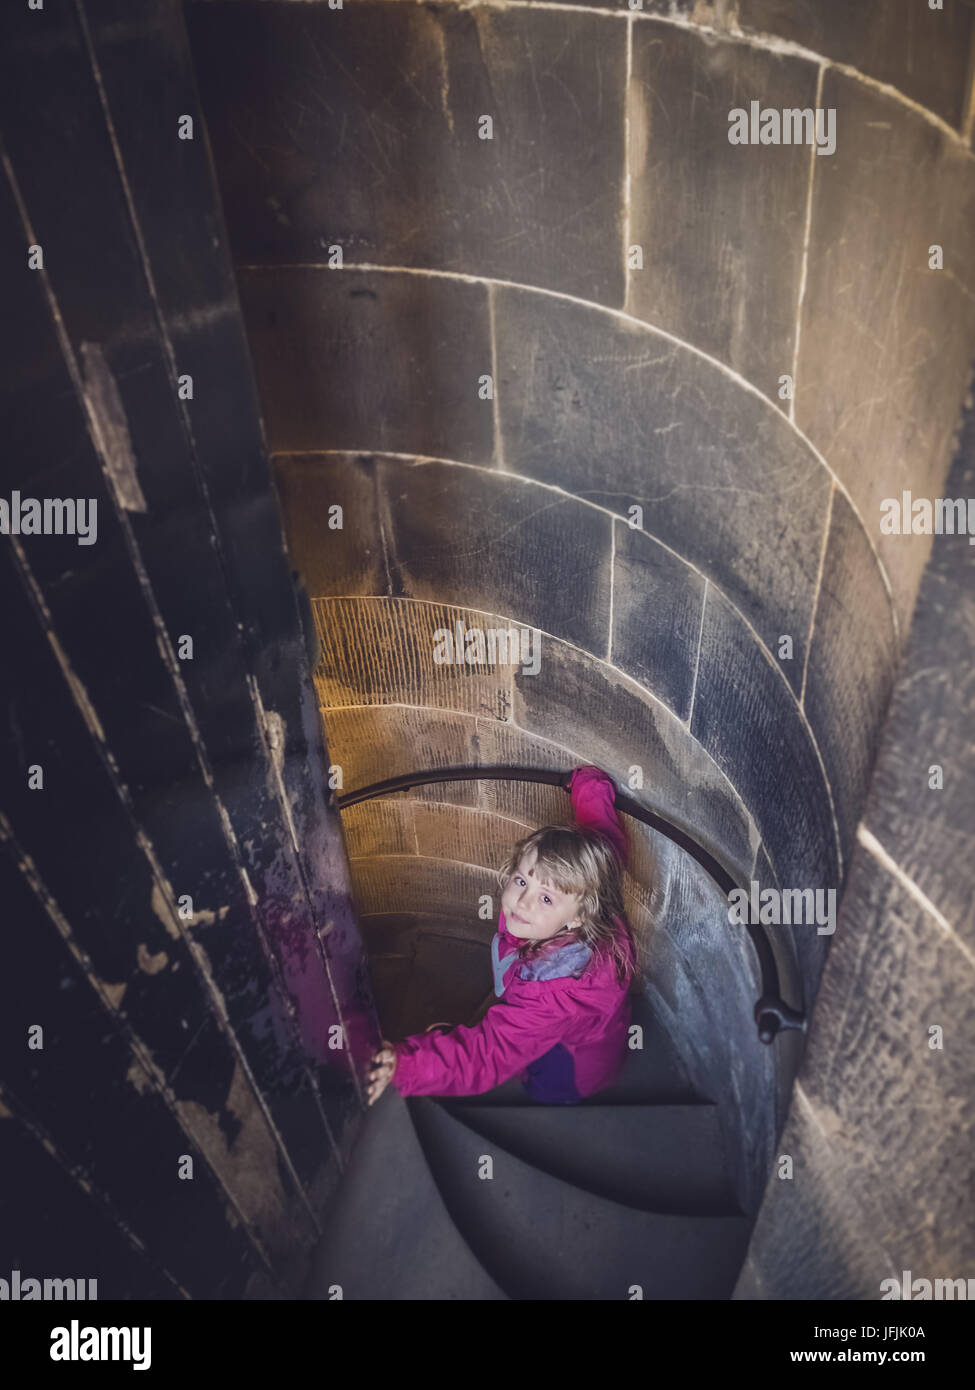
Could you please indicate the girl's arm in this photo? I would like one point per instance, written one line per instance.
(467, 1061)
(594, 803)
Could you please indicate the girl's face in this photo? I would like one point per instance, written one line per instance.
(537, 910)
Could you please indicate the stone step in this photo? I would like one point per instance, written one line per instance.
(541, 1238)
(387, 1233)
(662, 1158)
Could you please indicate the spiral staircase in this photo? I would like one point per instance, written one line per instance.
(629, 1195)
(495, 1197)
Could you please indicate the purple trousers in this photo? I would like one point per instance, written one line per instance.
(551, 1079)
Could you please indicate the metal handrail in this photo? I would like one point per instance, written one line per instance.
(772, 1014)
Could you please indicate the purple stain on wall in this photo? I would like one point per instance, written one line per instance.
(307, 961)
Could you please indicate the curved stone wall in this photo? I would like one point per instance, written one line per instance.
(880, 1132)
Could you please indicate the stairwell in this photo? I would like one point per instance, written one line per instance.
(290, 246)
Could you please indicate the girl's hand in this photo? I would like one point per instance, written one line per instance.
(382, 1069)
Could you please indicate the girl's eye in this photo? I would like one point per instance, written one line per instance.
(549, 901)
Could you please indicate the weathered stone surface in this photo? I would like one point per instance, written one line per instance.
(746, 718)
(818, 1234)
(852, 658)
(432, 531)
(370, 360)
(500, 545)
(885, 1119)
(417, 884)
(469, 836)
(886, 1147)
(904, 1110)
(929, 832)
(886, 342)
(372, 142)
(190, 774)
(373, 654)
(721, 226)
(620, 415)
(377, 650)
(704, 982)
(381, 826)
(374, 742)
(334, 561)
(920, 51)
(657, 607)
(526, 803)
(763, 870)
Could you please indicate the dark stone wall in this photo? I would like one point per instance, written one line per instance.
(176, 900)
(880, 1125)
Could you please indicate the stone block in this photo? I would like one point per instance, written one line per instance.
(419, 885)
(404, 178)
(372, 743)
(886, 344)
(722, 226)
(920, 51)
(898, 1113)
(498, 544)
(817, 1235)
(851, 665)
(334, 561)
(367, 360)
(747, 719)
(381, 826)
(928, 830)
(379, 651)
(657, 606)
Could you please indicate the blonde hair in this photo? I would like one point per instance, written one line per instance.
(583, 862)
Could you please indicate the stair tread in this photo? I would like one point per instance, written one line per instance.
(663, 1158)
(542, 1238)
(387, 1234)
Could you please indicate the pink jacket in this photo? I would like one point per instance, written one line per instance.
(540, 1007)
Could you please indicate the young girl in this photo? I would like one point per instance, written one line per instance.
(563, 959)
